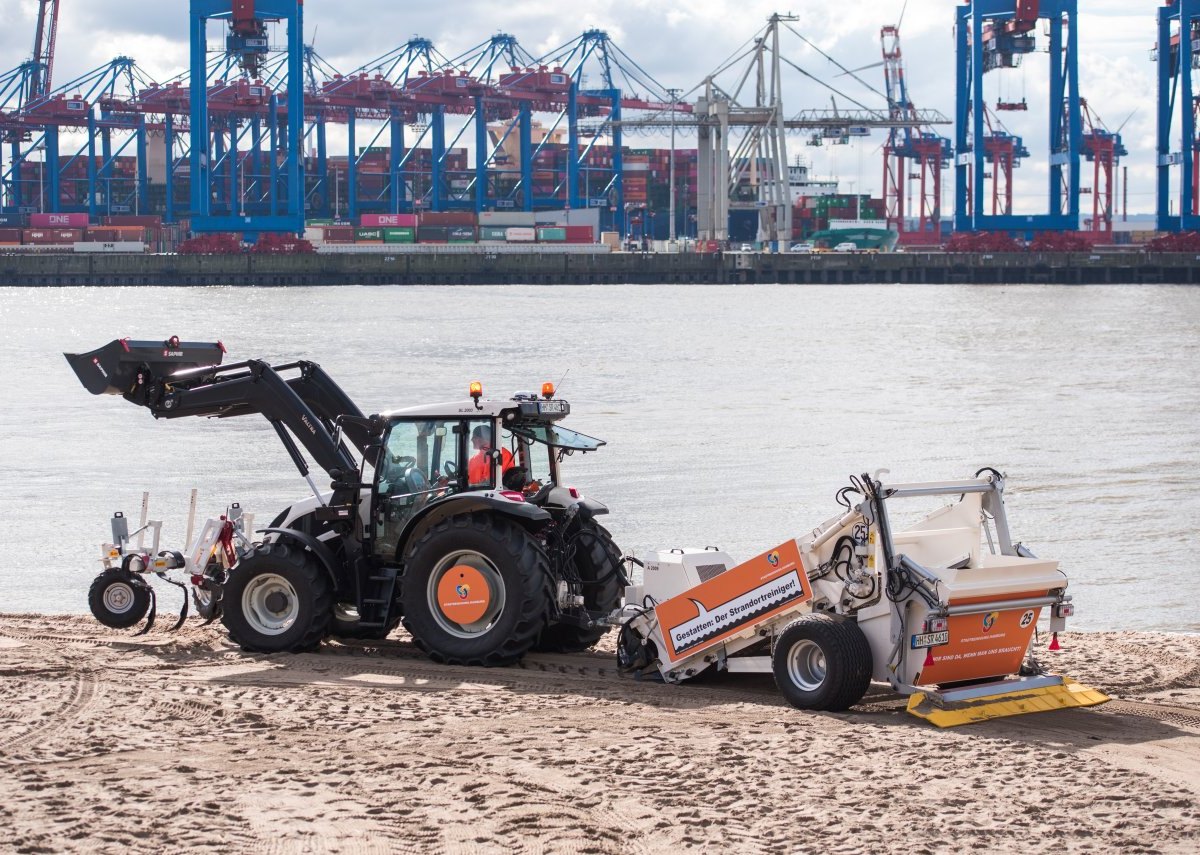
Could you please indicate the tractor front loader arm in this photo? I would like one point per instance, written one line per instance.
(174, 379)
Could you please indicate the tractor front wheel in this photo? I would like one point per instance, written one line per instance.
(476, 590)
(277, 599)
(821, 663)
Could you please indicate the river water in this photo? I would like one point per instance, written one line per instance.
(732, 414)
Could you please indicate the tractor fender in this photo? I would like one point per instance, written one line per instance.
(323, 553)
(561, 497)
(529, 517)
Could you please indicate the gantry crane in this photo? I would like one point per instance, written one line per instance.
(1178, 56)
(998, 34)
(910, 148)
(1103, 149)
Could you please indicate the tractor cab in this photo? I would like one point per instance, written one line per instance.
(495, 451)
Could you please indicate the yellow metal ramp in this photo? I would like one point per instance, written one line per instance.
(998, 700)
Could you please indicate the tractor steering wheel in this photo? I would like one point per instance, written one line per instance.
(415, 480)
(449, 469)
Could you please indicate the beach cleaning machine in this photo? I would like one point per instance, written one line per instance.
(932, 611)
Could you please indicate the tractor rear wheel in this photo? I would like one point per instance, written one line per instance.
(475, 591)
(118, 599)
(598, 565)
(821, 663)
(277, 599)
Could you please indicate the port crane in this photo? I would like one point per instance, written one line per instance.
(1177, 55)
(993, 35)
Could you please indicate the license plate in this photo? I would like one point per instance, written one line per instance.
(930, 639)
(552, 408)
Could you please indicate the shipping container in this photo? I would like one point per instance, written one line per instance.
(102, 235)
(447, 218)
(10, 236)
(404, 234)
(553, 234)
(58, 221)
(375, 221)
(493, 234)
(51, 237)
(339, 234)
(374, 235)
(433, 234)
(580, 234)
(11, 221)
(461, 234)
(521, 234)
(506, 218)
(143, 220)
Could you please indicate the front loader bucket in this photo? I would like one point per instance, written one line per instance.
(998, 700)
(113, 369)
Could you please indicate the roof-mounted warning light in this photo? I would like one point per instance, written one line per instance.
(477, 393)
(547, 391)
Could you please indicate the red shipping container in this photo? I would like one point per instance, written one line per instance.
(132, 220)
(447, 218)
(103, 235)
(339, 234)
(10, 236)
(580, 234)
(58, 221)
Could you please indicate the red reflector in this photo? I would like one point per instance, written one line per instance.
(125, 344)
(928, 658)
(222, 346)
(173, 341)
(574, 493)
(512, 495)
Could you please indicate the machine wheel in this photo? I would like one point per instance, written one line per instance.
(118, 599)
(821, 663)
(276, 599)
(598, 563)
(475, 591)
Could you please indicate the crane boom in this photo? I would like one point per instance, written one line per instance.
(44, 39)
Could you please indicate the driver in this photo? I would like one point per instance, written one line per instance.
(479, 467)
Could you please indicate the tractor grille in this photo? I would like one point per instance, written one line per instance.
(709, 571)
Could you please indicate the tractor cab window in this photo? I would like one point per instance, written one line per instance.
(420, 462)
(533, 463)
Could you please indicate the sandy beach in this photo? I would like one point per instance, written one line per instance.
(181, 742)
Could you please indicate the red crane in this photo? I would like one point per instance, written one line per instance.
(43, 48)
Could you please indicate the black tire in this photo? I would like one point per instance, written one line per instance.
(821, 663)
(118, 599)
(518, 584)
(290, 612)
(598, 563)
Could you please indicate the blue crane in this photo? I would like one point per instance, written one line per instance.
(997, 34)
(1178, 57)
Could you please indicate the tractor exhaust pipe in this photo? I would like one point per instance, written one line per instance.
(120, 366)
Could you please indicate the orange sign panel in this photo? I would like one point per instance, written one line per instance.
(711, 612)
(991, 644)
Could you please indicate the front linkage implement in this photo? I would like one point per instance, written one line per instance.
(122, 595)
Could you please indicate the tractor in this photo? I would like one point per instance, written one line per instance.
(452, 519)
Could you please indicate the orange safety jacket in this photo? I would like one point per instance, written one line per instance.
(479, 467)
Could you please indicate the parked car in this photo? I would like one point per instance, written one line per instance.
(746, 247)
(846, 246)
(803, 247)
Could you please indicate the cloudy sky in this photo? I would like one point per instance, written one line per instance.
(679, 43)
